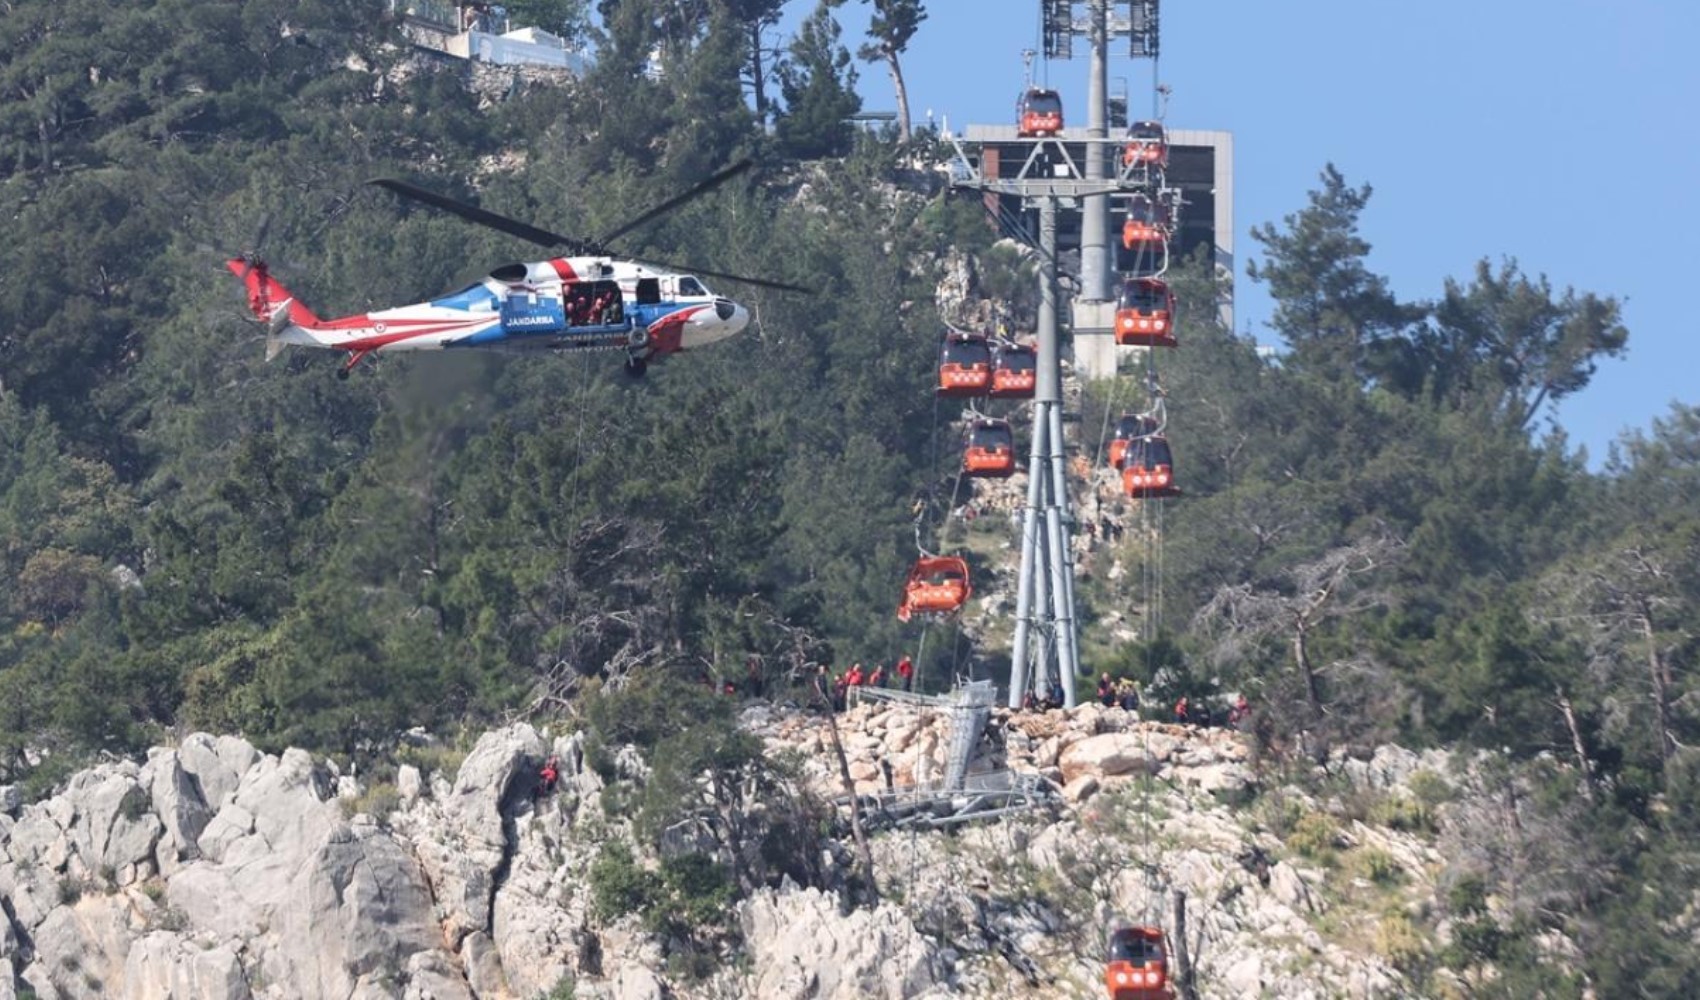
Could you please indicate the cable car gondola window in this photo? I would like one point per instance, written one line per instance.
(1017, 360)
(1136, 948)
(1042, 102)
(1148, 453)
(1146, 130)
(1144, 296)
(966, 351)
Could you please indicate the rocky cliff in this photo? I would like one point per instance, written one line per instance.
(211, 870)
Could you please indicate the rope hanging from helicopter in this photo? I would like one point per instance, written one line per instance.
(584, 382)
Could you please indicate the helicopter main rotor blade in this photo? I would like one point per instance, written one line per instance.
(696, 191)
(484, 217)
(741, 279)
(545, 238)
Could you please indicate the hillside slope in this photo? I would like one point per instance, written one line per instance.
(212, 870)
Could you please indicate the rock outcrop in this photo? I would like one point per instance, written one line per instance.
(211, 870)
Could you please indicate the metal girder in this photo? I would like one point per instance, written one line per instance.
(1137, 20)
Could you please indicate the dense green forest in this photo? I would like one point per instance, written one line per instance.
(1383, 538)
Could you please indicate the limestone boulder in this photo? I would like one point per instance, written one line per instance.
(30, 891)
(462, 837)
(800, 946)
(38, 839)
(1102, 756)
(216, 764)
(162, 964)
(79, 949)
(175, 797)
(1080, 789)
(409, 783)
(289, 798)
(1225, 776)
(431, 975)
(635, 982)
(229, 826)
(111, 825)
(483, 966)
(358, 907)
(540, 908)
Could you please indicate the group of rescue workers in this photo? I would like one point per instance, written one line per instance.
(901, 677)
(1124, 693)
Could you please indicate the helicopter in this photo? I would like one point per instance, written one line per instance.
(588, 299)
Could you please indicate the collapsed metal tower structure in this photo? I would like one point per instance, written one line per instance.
(957, 797)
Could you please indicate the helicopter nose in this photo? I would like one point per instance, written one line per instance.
(727, 319)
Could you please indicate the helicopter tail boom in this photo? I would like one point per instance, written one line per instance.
(269, 301)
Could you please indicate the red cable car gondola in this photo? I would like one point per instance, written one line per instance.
(937, 585)
(990, 450)
(1147, 222)
(1129, 426)
(1015, 373)
(1145, 313)
(1144, 249)
(1148, 468)
(1038, 113)
(965, 364)
(1137, 967)
(1147, 143)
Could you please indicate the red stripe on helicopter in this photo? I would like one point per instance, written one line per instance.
(665, 333)
(422, 328)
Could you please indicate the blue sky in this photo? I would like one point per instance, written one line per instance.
(1561, 133)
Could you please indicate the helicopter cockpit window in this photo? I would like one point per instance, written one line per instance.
(691, 286)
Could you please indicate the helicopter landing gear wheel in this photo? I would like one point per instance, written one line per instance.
(636, 366)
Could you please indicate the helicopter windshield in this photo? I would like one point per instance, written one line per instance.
(691, 286)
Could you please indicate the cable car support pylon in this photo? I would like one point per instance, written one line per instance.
(1045, 624)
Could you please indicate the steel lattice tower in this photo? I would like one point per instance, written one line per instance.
(1098, 21)
(1045, 626)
